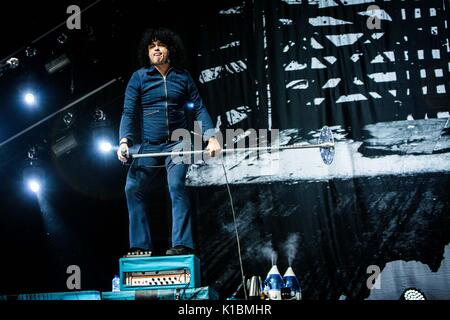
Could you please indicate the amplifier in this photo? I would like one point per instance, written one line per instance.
(157, 278)
(165, 272)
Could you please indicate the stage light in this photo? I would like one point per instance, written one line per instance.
(64, 144)
(30, 51)
(62, 38)
(104, 146)
(29, 99)
(68, 119)
(57, 64)
(413, 294)
(99, 115)
(33, 174)
(34, 179)
(34, 185)
(11, 63)
(190, 105)
(102, 132)
(32, 155)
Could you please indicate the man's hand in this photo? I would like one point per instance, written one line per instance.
(213, 147)
(123, 153)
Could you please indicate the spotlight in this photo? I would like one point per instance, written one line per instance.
(101, 131)
(413, 294)
(34, 185)
(11, 63)
(62, 38)
(104, 146)
(64, 144)
(29, 98)
(57, 63)
(30, 51)
(68, 119)
(99, 115)
(190, 105)
(32, 154)
(33, 174)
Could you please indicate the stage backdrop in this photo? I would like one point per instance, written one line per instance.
(377, 73)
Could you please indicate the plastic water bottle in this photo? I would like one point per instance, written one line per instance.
(116, 284)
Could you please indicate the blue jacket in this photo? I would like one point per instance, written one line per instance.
(160, 103)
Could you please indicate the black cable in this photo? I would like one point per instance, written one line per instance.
(186, 285)
(236, 230)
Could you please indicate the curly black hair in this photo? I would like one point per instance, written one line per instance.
(169, 38)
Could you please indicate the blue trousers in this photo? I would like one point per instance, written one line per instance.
(140, 177)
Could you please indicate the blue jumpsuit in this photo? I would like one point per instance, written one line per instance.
(159, 103)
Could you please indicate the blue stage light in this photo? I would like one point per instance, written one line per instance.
(104, 146)
(34, 185)
(30, 98)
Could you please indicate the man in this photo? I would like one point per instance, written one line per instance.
(156, 96)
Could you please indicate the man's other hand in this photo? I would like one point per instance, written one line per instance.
(123, 153)
(213, 147)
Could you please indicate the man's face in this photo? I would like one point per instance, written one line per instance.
(158, 53)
